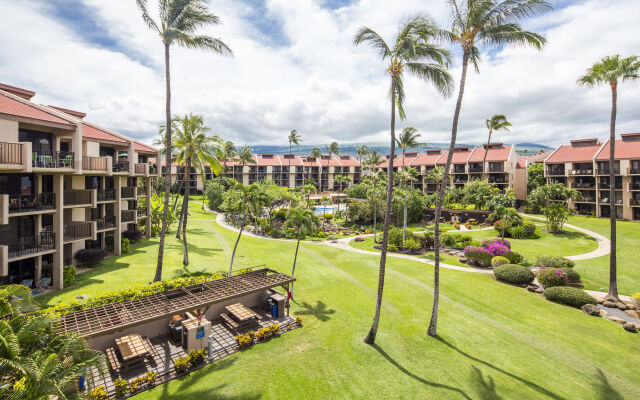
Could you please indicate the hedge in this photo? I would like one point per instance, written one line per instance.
(549, 277)
(514, 274)
(569, 296)
(553, 262)
(90, 256)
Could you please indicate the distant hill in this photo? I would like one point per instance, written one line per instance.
(350, 149)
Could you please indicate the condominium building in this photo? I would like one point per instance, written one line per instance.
(65, 184)
(288, 170)
(584, 165)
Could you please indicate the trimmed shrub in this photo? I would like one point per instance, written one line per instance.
(515, 258)
(395, 238)
(328, 217)
(90, 256)
(487, 242)
(133, 235)
(549, 277)
(498, 249)
(277, 233)
(569, 296)
(181, 364)
(321, 235)
(529, 227)
(392, 247)
(456, 240)
(427, 239)
(498, 261)
(478, 255)
(572, 275)
(68, 275)
(412, 245)
(513, 273)
(553, 262)
(124, 245)
(518, 232)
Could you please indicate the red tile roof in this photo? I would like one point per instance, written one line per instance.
(525, 161)
(459, 157)
(494, 154)
(73, 113)
(11, 106)
(267, 160)
(91, 131)
(569, 153)
(311, 162)
(629, 149)
(143, 147)
(348, 161)
(20, 92)
(291, 160)
(385, 163)
(428, 158)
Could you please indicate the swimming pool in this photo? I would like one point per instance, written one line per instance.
(320, 210)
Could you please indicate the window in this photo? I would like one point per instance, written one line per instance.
(41, 142)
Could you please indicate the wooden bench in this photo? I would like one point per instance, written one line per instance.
(229, 322)
(113, 359)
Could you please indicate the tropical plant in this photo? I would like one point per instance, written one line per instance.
(228, 151)
(478, 192)
(612, 70)
(552, 200)
(495, 123)
(178, 23)
(245, 156)
(474, 22)
(373, 160)
(508, 217)
(407, 176)
(342, 181)
(375, 180)
(362, 151)
(194, 148)
(332, 149)
(304, 222)
(294, 138)
(535, 176)
(411, 50)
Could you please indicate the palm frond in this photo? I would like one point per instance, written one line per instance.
(369, 36)
(511, 34)
(435, 73)
(151, 24)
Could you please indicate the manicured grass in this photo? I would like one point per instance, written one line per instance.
(496, 341)
(595, 272)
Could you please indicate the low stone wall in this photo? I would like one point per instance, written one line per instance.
(464, 215)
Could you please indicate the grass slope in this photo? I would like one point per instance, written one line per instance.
(496, 341)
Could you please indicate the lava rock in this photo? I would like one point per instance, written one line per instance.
(630, 327)
(610, 304)
(621, 305)
(591, 310)
(633, 314)
(603, 313)
(617, 320)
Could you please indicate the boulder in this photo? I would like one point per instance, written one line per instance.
(539, 290)
(621, 305)
(591, 310)
(531, 288)
(600, 300)
(630, 327)
(617, 320)
(463, 260)
(610, 298)
(631, 306)
(610, 304)
(633, 314)
(603, 313)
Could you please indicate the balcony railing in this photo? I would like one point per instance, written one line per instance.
(153, 169)
(10, 153)
(139, 168)
(142, 212)
(583, 185)
(555, 171)
(45, 241)
(142, 191)
(605, 171)
(475, 168)
(581, 172)
(78, 197)
(633, 171)
(19, 203)
(106, 194)
(128, 215)
(606, 186)
(634, 186)
(634, 202)
(121, 166)
(77, 231)
(586, 200)
(497, 168)
(53, 159)
(127, 192)
(106, 222)
(94, 163)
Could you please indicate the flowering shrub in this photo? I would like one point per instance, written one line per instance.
(135, 384)
(121, 386)
(299, 319)
(181, 364)
(478, 255)
(549, 277)
(99, 393)
(245, 339)
(150, 377)
(196, 356)
(498, 249)
(488, 242)
(498, 261)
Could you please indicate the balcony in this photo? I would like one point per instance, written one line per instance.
(633, 186)
(78, 230)
(128, 192)
(475, 168)
(586, 199)
(605, 171)
(153, 169)
(142, 191)
(498, 168)
(121, 166)
(106, 194)
(142, 212)
(606, 186)
(52, 159)
(108, 222)
(459, 169)
(634, 202)
(140, 169)
(75, 198)
(23, 203)
(555, 172)
(28, 246)
(95, 164)
(633, 171)
(128, 216)
(581, 172)
(12, 155)
(582, 185)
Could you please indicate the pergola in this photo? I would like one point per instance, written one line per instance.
(109, 318)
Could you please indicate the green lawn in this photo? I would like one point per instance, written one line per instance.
(496, 341)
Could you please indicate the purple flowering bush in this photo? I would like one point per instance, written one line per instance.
(549, 277)
(498, 249)
(488, 242)
(478, 255)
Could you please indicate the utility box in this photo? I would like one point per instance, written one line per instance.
(195, 333)
(279, 300)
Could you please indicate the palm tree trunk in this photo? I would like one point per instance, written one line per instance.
(244, 220)
(486, 151)
(186, 183)
(613, 284)
(185, 215)
(433, 324)
(293, 270)
(167, 177)
(371, 336)
(375, 217)
(404, 226)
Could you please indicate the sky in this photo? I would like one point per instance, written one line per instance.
(295, 67)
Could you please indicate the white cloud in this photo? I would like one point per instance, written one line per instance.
(317, 83)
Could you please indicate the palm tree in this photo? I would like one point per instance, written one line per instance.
(324, 201)
(244, 156)
(373, 160)
(178, 23)
(294, 138)
(413, 51)
(332, 149)
(195, 149)
(407, 175)
(612, 70)
(489, 22)
(317, 154)
(375, 180)
(248, 198)
(495, 123)
(229, 151)
(304, 222)
(408, 138)
(342, 181)
(361, 151)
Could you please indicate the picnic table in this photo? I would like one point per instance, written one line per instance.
(244, 316)
(133, 350)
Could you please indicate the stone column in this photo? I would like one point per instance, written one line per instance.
(58, 230)
(148, 228)
(117, 233)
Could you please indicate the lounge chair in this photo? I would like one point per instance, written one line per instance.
(44, 283)
(27, 282)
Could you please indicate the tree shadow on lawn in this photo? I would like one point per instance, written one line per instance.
(486, 389)
(530, 384)
(320, 310)
(416, 377)
(604, 389)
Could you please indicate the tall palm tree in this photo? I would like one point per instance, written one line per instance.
(495, 123)
(373, 160)
(247, 199)
(406, 139)
(612, 70)
(229, 151)
(332, 149)
(317, 154)
(294, 138)
(195, 148)
(473, 22)
(375, 180)
(411, 50)
(244, 156)
(178, 23)
(304, 222)
(342, 181)
(407, 176)
(361, 151)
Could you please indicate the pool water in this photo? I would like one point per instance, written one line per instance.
(324, 209)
